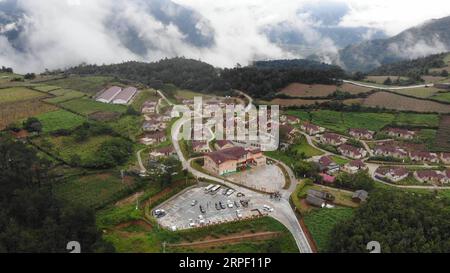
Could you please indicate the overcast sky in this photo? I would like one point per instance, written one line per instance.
(60, 33)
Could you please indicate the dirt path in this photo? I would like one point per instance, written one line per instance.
(230, 239)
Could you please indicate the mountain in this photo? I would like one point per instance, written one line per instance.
(431, 37)
(420, 66)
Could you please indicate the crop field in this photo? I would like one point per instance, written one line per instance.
(320, 222)
(342, 121)
(401, 103)
(59, 119)
(13, 112)
(91, 190)
(353, 89)
(66, 147)
(46, 88)
(442, 142)
(424, 92)
(63, 95)
(295, 102)
(11, 95)
(90, 85)
(443, 96)
(432, 79)
(421, 120)
(87, 106)
(305, 90)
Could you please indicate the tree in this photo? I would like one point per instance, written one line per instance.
(29, 76)
(32, 125)
(31, 218)
(388, 81)
(444, 73)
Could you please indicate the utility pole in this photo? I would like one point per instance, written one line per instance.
(164, 247)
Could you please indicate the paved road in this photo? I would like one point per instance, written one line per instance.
(388, 88)
(282, 209)
(141, 165)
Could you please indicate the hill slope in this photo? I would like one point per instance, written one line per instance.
(429, 38)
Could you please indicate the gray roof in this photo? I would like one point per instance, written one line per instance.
(126, 94)
(361, 195)
(315, 201)
(110, 93)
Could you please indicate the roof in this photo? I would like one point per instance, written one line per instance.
(356, 163)
(446, 155)
(197, 143)
(394, 171)
(361, 195)
(332, 136)
(126, 94)
(429, 174)
(20, 134)
(229, 154)
(326, 161)
(110, 93)
(311, 126)
(389, 148)
(222, 143)
(156, 135)
(423, 154)
(313, 200)
(327, 178)
(165, 150)
(350, 148)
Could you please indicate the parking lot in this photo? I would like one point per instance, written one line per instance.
(198, 207)
(268, 178)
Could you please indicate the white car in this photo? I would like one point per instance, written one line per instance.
(230, 204)
(238, 214)
(267, 208)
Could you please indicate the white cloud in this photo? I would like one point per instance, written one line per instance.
(60, 33)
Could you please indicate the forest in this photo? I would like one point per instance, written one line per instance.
(400, 221)
(410, 68)
(31, 218)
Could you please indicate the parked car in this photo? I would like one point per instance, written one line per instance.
(194, 202)
(159, 213)
(202, 209)
(230, 204)
(222, 205)
(267, 208)
(238, 214)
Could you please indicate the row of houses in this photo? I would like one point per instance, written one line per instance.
(388, 150)
(328, 165)
(155, 125)
(396, 174)
(117, 95)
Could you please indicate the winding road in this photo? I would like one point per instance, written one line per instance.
(282, 209)
(388, 88)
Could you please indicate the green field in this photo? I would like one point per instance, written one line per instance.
(409, 119)
(445, 97)
(137, 239)
(128, 126)
(66, 147)
(59, 119)
(10, 95)
(424, 92)
(46, 88)
(303, 147)
(91, 190)
(342, 121)
(320, 222)
(87, 106)
(63, 95)
(91, 84)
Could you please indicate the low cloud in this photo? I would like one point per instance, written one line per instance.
(40, 34)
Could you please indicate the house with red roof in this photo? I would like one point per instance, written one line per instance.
(200, 146)
(354, 166)
(431, 176)
(352, 151)
(360, 133)
(332, 139)
(311, 129)
(233, 159)
(389, 151)
(393, 174)
(445, 158)
(400, 133)
(327, 164)
(424, 156)
(223, 144)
